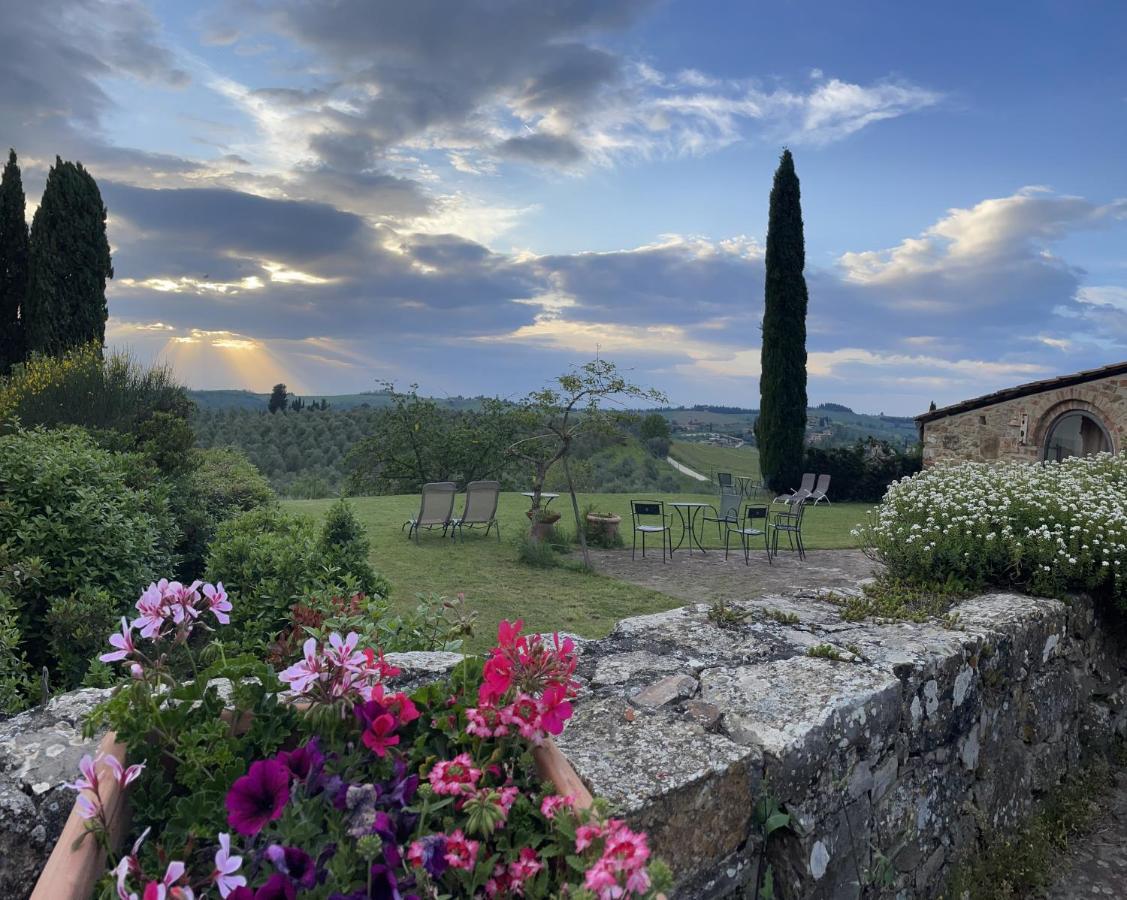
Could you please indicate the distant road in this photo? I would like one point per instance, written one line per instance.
(685, 470)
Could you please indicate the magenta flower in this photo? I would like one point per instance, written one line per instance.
(277, 887)
(226, 867)
(217, 602)
(88, 776)
(380, 734)
(258, 797)
(293, 862)
(555, 709)
(123, 642)
(305, 761)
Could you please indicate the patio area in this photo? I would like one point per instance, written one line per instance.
(703, 578)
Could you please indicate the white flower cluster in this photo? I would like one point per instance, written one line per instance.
(1049, 527)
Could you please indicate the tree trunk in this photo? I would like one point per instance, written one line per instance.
(579, 530)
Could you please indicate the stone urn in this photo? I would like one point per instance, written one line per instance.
(605, 524)
(543, 523)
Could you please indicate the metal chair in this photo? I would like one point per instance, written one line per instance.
(480, 509)
(436, 508)
(727, 509)
(790, 524)
(644, 512)
(803, 491)
(819, 492)
(747, 528)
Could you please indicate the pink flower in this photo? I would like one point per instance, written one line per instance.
(585, 835)
(125, 775)
(554, 708)
(217, 602)
(302, 675)
(553, 803)
(342, 651)
(123, 642)
(485, 721)
(87, 808)
(455, 776)
(402, 707)
(226, 866)
(381, 734)
(88, 776)
(524, 712)
(461, 853)
(509, 796)
(525, 867)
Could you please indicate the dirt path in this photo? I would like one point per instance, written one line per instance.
(1097, 864)
(704, 578)
(685, 470)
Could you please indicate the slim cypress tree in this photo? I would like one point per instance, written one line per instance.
(13, 264)
(70, 262)
(781, 426)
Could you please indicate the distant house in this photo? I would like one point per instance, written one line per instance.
(1074, 415)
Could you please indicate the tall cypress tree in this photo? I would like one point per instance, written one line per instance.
(781, 426)
(13, 264)
(70, 262)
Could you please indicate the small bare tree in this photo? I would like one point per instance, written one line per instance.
(552, 418)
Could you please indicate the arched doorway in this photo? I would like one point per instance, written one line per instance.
(1076, 433)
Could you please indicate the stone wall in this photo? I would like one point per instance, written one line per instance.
(921, 739)
(994, 432)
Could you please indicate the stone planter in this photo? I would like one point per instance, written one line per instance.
(543, 523)
(608, 525)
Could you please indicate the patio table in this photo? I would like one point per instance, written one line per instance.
(546, 497)
(747, 485)
(688, 512)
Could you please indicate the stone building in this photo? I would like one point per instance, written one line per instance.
(1074, 415)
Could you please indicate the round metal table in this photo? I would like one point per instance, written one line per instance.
(688, 512)
(546, 497)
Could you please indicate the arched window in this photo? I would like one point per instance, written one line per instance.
(1076, 434)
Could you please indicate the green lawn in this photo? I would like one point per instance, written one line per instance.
(707, 459)
(498, 586)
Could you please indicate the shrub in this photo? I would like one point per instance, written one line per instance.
(77, 627)
(270, 559)
(81, 517)
(221, 484)
(863, 471)
(1050, 528)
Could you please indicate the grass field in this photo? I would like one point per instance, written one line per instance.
(498, 586)
(707, 459)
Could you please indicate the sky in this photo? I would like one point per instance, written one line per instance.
(474, 196)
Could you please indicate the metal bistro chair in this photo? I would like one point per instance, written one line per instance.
(727, 509)
(789, 522)
(480, 509)
(649, 517)
(435, 509)
(754, 515)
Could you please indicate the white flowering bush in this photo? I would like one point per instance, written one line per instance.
(1048, 528)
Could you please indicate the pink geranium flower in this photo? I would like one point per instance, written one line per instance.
(217, 602)
(123, 642)
(226, 867)
(302, 675)
(461, 853)
(125, 775)
(554, 708)
(380, 734)
(553, 803)
(258, 797)
(454, 777)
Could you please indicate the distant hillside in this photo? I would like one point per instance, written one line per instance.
(232, 399)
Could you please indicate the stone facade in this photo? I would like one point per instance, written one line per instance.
(1018, 428)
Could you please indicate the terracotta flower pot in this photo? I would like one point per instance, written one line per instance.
(543, 523)
(77, 862)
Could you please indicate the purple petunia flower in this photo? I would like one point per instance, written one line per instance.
(303, 762)
(430, 853)
(294, 862)
(277, 887)
(258, 797)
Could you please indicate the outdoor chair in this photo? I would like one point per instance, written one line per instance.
(435, 509)
(724, 479)
(649, 517)
(789, 522)
(803, 492)
(752, 524)
(480, 509)
(819, 493)
(726, 510)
